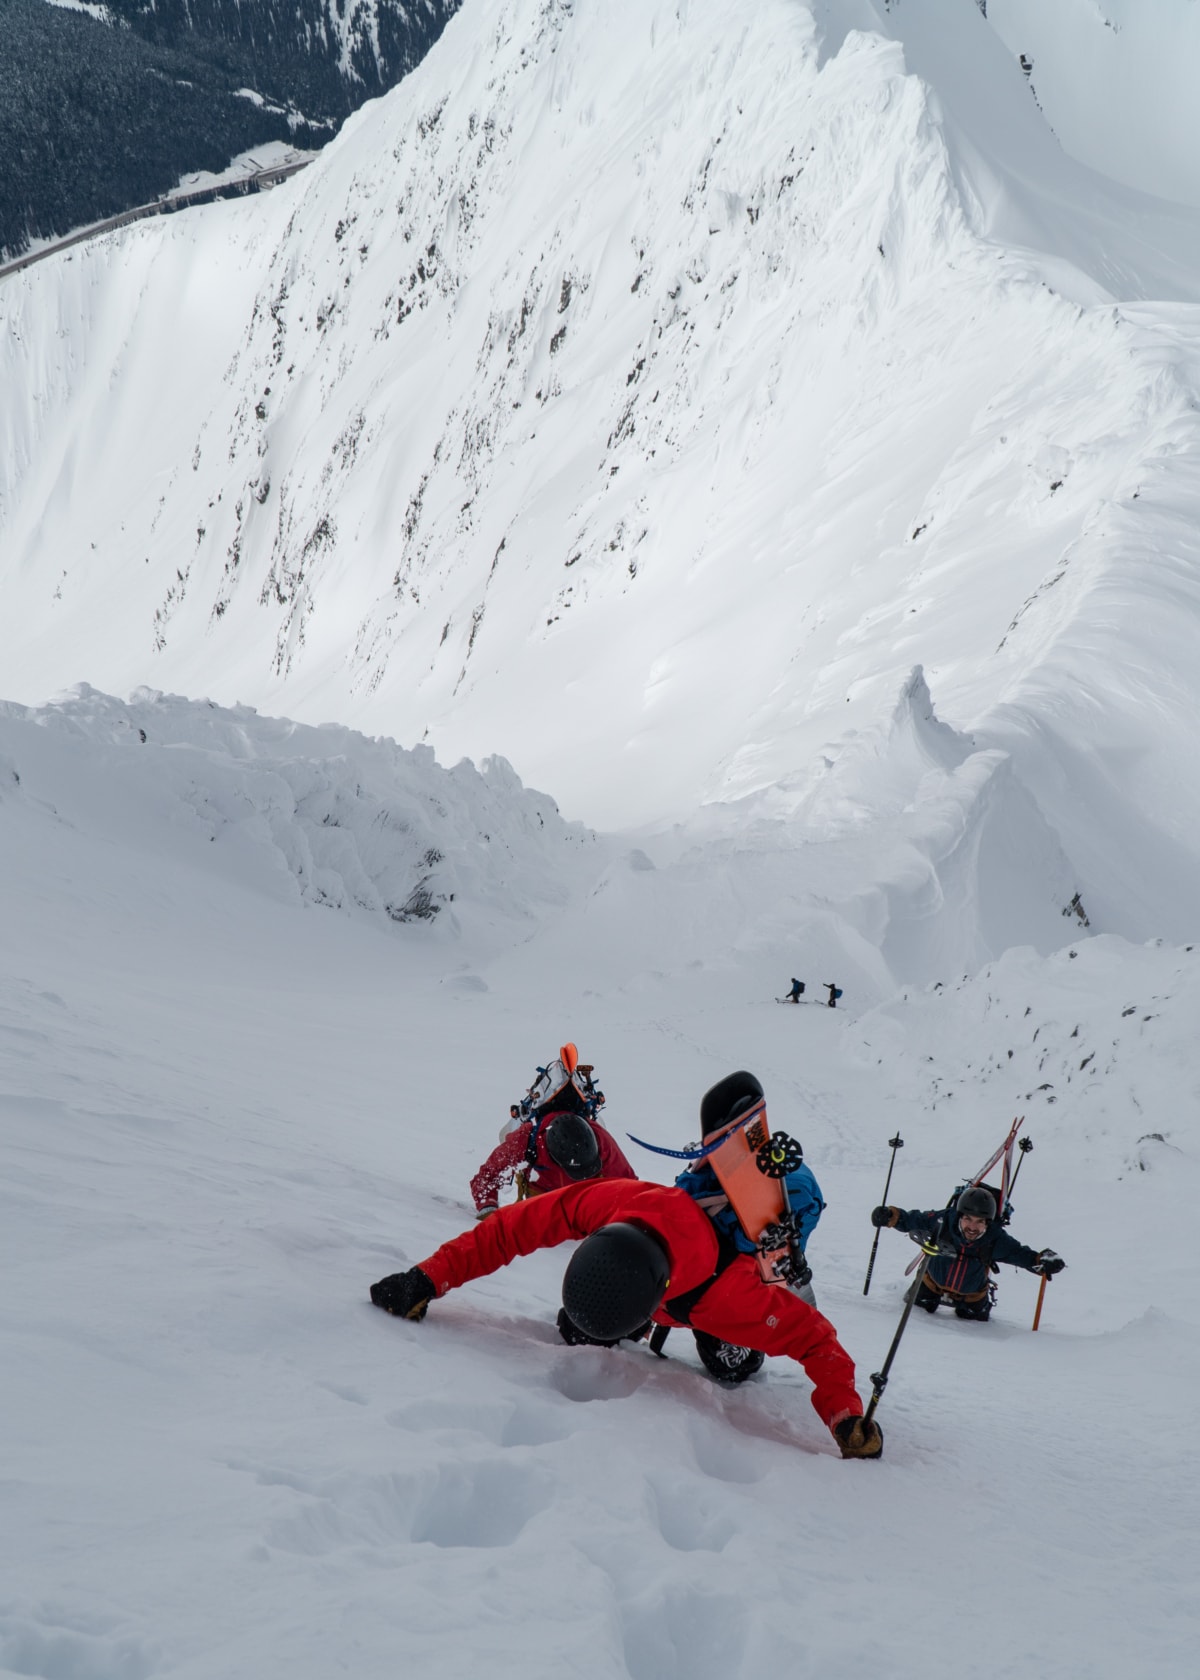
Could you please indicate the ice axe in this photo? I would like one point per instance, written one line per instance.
(1037, 1317)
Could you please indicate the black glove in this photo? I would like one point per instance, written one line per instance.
(404, 1294)
(859, 1439)
(881, 1216)
(1050, 1264)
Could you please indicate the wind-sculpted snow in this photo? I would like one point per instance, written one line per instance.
(916, 853)
(645, 397)
(318, 816)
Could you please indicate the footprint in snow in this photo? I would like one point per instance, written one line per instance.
(595, 1374)
(683, 1633)
(511, 1423)
(449, 1505)
(59, 1651)
(689, 1519)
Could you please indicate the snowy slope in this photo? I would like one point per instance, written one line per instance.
(1116, 79)
(225, 1112)
(751, 424)
(632, 359)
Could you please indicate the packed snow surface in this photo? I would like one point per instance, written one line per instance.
(752, 423)
(228, 1107)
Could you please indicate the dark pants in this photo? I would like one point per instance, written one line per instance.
(931, 1299)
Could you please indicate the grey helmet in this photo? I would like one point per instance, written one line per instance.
(978, 1201)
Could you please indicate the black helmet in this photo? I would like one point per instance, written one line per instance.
(614, 1281)
(571, 1144)
(978, 1201)
(728, 1098)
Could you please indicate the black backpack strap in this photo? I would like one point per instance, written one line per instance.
(532, 1142)
(681, 1307)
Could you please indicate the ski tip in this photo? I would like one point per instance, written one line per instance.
(569, 1056)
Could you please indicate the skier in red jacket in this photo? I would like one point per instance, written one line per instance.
(554, 1139)
(649, 1254)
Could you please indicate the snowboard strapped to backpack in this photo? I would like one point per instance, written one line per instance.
(750, 1164)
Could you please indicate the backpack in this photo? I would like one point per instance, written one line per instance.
(739, 1183)
(565, 1084)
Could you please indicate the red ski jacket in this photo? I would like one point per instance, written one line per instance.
(739, 1307)
(509, 1157)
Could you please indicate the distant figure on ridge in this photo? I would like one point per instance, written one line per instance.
(971, 1240)
(553, 1137)
(835, 993)
(795, 994)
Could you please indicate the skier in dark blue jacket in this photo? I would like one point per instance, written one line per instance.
(971, 1242)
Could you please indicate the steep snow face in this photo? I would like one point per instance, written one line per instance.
(915, 855)
(1116, 79)
(646, 395)
(222, 1116)
(1067, 1042)
(307, 816)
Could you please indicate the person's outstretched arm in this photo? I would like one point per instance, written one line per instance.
(504, 1160)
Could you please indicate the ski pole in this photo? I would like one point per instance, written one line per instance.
(1037, 1317)
(879, 1378)
(1024, 1145)
(897, 1143)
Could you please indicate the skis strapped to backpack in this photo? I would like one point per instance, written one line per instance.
(750, 1164)
(1005, 1154)
(566, 1070)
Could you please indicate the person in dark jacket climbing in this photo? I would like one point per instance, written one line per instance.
(971, 1244)
(648, 1254)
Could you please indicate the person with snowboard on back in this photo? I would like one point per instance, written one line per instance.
(554, 1138)
(737, 1091)
(648, 1254)
(971, 1242)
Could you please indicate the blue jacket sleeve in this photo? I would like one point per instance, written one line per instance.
(804, 1195)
